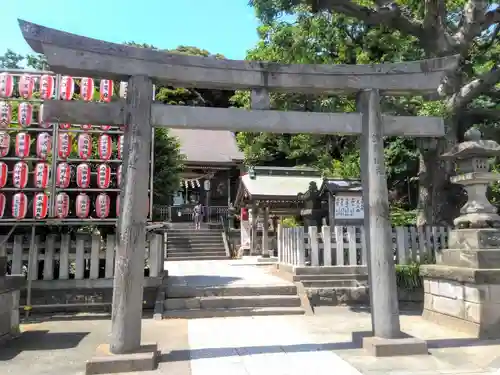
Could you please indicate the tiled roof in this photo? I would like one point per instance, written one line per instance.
(335, 185)
(276, 185)
(208, 146)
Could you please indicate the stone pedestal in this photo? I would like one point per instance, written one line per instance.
(463, 289)
(10, 287)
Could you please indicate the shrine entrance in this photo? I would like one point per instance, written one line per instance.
(72, 54)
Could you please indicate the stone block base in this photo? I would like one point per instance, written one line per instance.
(105, 362)
(381, 347)
(470, 304)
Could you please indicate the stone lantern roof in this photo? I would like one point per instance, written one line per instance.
(473, 147)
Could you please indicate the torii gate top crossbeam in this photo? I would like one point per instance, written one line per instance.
(77, 55)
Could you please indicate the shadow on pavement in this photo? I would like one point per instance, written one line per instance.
(40, 340)
(37, 318)
(355, 343)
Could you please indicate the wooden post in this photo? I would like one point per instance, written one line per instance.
(279, 243)
(130, 250)
(383, 291)
(265, 233)
(300, 246)
(313, 245)
(326, 234)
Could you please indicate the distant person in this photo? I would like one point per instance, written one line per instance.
(197, 215)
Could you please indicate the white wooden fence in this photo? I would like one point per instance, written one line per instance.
(77, 257)
(345, 245)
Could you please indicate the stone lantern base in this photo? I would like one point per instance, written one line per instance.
(462, 290)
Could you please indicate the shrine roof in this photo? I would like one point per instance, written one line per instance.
(333, 185)
(277, 186)
(208, 146)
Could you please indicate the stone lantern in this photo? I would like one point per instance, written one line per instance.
(473, 173)
(462, 289)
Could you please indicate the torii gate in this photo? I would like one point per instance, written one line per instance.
(77, 55)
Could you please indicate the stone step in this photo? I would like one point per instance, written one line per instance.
(330, 283)
(244, 311)
(330, 277)
(331, 270)
(184, 254)
(232, 302)
(195, 244)
(198, 257)
(194, 240)
(184, 291)
(192, 232)
(197, 248)
(201, 249)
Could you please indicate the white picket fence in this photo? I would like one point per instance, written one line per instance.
(345, 245)
(77, 257)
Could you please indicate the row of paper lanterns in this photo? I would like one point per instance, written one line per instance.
(62, 203)
(47, 85)
(65, 141)
(41, 175)
(25, 117)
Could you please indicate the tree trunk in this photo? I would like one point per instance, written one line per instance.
(439, 200)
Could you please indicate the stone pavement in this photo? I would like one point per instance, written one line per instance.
(205, 273)
(327, 343)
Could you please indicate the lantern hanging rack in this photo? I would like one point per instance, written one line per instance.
(15, 79)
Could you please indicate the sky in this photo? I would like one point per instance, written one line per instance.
(219, 26)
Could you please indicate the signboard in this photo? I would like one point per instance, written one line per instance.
(349, 207)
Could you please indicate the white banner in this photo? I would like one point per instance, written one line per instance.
(245, 234)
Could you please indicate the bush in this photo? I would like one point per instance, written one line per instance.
(408, 276)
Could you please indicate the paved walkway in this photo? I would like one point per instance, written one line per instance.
(259, 346)
(205, 273)
(281, 345)
(326, 343)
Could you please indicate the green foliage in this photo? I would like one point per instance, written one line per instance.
(408, 276)
(11, 60)
(401, 217)
(289, 222)
(304, 31)
(168, 166)
(348, 167)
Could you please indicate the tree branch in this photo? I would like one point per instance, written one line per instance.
(387, 13)
(482, 114)
(476, 19)
(435, 15)
(473, 89)
(494, 94)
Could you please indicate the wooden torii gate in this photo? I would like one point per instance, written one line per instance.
(77, 55)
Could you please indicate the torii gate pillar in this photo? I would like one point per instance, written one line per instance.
(129, 265)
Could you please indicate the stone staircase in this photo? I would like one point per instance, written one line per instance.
(185, 243)
(334, 285)
(229, 301)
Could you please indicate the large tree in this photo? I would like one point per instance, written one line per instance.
(327, 39)
(429, 28)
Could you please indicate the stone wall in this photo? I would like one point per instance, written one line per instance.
(360, 296)
(469, 302)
